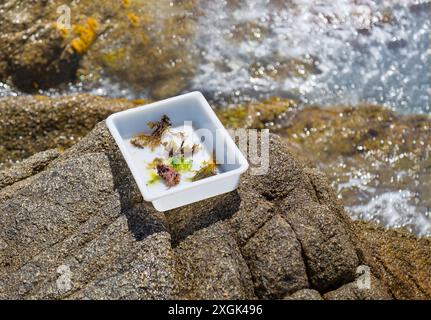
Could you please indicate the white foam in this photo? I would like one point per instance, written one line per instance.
(7, 91)
(394, 209)
(387, 66)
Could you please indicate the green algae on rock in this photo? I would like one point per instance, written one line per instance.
(267, 114)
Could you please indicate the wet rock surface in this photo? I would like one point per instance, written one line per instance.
(46, 44)
(376, 159)
(30, 124)
(399, 259)
(78, 228)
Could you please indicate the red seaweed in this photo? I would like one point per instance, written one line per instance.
(171, 176)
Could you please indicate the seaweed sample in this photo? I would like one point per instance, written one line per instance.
(154, 178)
(153, 164)
(181, 164)
(154, 139)
(169, 175)
(208, 170)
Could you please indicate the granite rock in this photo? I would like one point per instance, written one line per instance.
(74, 226)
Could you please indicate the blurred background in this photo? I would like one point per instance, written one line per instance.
(346, 83)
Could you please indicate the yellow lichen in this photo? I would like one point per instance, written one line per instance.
(145, 39)
(147, 18)
(126, 3)
(41, 97)
(111, 58)
(86, 35)
(139, 102)
(93, 24)
(134, 19)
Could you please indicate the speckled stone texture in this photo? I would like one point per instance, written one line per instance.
(399, 259)
(304, 294)
(27, 168)
(355, 291)
(78, 228)
(274, 257)
(30, 124)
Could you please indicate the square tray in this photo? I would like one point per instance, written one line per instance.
(191, 107)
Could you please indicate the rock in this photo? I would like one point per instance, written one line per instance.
(27, 168)
(251, 215)
(44, 44)
(274, 257)
(369, 153)
(210, 266)
(304, 294)
(284, 175)
(32, 52)
(266, 114)
(400, 260)
(108, 249)
(77, 228)
(331, 254)
(30, 124)
(359, 290)
(326, 220)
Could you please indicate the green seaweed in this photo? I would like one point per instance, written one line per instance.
(155, 178)
(153, 164)
(181, 164)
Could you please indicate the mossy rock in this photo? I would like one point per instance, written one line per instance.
(267, 114)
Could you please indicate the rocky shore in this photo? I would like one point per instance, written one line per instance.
(39, 50)
(74, 226)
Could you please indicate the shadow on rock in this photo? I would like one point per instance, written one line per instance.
(142, 219)
(187, 220)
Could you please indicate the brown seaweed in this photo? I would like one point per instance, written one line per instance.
(208, 170)
(155, 138)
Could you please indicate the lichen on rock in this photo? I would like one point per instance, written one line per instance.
(104, 39)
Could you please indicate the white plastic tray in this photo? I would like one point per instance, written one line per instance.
(188, 107)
